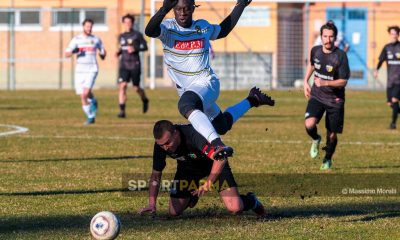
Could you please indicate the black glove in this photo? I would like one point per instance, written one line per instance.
(244, 2)
(169, 4)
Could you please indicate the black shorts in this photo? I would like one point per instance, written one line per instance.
(127, 75)
(393, 91)
(187, 179)
(334, 119)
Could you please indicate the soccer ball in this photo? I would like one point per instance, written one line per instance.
(105, 225)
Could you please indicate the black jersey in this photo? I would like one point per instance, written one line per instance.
(391, 54)
(135, 39)
(193, 149)
(329, 67)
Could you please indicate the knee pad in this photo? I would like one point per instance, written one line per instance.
(188, 102)
(223, 123)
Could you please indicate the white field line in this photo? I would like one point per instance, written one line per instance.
(227, 139)
(17, 129)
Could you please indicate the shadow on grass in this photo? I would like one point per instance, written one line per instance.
(77, 159)
(62, 192)
(163, 222)
(16, 108)
(378, 167)
(337, 210)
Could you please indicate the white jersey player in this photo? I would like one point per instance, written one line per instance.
(186, 54)
(85, 46)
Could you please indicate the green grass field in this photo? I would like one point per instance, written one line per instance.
(59, 174)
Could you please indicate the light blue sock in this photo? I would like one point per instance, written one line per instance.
(238, 110)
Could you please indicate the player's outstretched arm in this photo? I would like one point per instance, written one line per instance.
(230, 21)
(153, 28)
(154, 186)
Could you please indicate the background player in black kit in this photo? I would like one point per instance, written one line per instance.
(328, 92)
(391, 54)
(131, 43)
(194, 162)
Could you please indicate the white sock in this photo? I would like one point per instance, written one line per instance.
(87, 111)
(203, 125)
(238, 110)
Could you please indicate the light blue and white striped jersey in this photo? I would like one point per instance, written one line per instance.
(88, 45)
(186, 50)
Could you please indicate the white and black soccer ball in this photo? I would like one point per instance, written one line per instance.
(105, 225)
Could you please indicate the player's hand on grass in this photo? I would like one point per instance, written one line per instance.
(202, 189)
(245, 2)
(149, 209)
(169, 4)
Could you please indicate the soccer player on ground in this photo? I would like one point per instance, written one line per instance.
(85, 47)
(131, 43)
(186, 44)
(194, 162)
(327, 94)
(391, 54)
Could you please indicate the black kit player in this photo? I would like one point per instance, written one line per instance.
(131, 43)
(391, 54)
(194, 162)
(327, 95)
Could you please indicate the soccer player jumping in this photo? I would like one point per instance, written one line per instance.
(328, 92)
(186, 54)
(85, 47)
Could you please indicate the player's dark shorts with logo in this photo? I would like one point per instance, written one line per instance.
(334, 118)
(188, 176)
(393, 91)
(127, 75)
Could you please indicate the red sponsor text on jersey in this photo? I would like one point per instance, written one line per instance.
(190, 44)
(87, 49)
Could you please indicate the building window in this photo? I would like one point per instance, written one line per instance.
(63, 17)
(75, 16)
(356, 15)
(29, 17)
(20, 17)
(5, 17)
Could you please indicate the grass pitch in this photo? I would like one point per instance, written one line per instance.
(59, 174)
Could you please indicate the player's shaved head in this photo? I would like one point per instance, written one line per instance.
(161, 127)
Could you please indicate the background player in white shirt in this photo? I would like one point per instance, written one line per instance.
(85, 47)
(186, 54)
